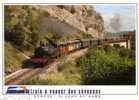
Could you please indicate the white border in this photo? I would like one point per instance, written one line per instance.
(107, 90)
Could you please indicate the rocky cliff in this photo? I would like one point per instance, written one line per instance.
(73, 19)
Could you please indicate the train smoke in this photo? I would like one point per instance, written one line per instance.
(115, 23)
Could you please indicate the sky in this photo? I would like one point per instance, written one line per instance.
(126, 13)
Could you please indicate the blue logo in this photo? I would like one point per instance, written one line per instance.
(17, 90)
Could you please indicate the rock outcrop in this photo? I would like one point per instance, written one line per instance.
(73, 19)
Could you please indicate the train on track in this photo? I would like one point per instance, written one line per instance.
(45, 52)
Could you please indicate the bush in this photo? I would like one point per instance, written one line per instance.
(123, 52)
(116, 46)
(18, 36)
(101, 67)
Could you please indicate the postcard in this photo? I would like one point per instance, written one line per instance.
(52, 51)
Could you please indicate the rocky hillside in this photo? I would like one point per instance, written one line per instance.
(24, 24)
(72, 19)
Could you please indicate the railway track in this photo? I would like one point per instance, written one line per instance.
(28, 73)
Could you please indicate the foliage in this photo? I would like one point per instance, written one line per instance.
(18, 37)
(13, 59)
(64, 79)
(123, 52)
(106, 67)
(22, 25)
(34, 81)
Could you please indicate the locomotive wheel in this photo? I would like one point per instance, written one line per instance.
(29, 64)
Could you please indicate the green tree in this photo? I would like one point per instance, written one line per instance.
(18, 36)
(22, 25)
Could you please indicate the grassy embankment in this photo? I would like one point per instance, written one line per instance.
(13, 58)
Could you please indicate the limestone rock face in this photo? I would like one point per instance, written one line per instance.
(73, 19)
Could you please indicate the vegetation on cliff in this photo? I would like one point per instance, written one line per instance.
(23, 23)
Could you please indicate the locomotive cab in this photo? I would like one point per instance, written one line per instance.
(43, 54)
(40, 57)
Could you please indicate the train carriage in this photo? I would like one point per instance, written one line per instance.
(85, 42)
(77, 45)
(70, 47)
